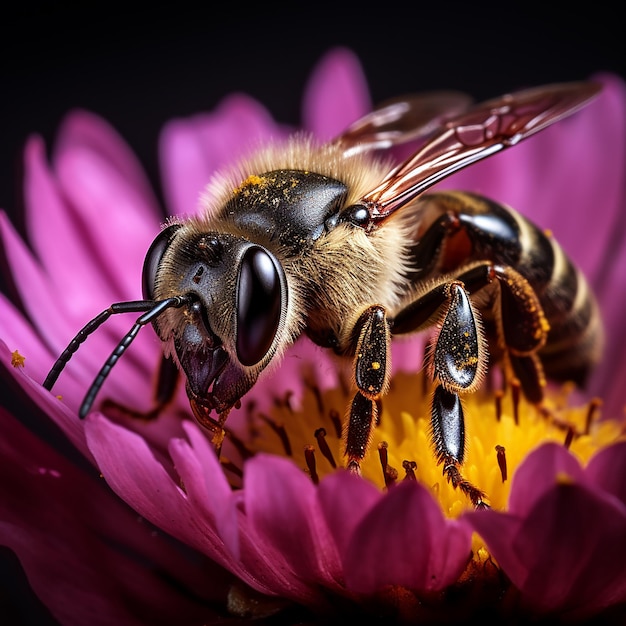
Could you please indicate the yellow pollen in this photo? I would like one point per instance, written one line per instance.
(501, 429)
(564, 479)
(17, 359)
(252, 181)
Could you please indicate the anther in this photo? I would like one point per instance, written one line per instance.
(309, 457)
(315, 390)
(501, 455)
(336, 420)
(239, 445)
(320, 435)
(569, 437)
(279, 429)
(592, 412)
(409, 468)
(390, 474)
(515, 394)
(229, 466)
(498, 396)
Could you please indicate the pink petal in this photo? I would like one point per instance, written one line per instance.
(281, 504)
(538, 473)
(87, 558)
(607, 470)
(572, 546)
(206, 484)
(405, 540)
(133, 472)
(52, 407)
(19, 335)
(118, 219)
(192, 149)
(336, 94)
(345, 500)
(60, 239)
(39, 298)
(84, 130)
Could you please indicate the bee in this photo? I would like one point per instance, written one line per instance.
(334, 242)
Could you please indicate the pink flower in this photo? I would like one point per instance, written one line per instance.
(563, 539)
(163, 537)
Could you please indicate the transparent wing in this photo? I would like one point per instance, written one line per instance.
(402, 120)
(473, 135)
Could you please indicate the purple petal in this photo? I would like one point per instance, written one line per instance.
(192, 149)
(345, 499)
(607, 470)
(336, 94)
(52, 407)
(87, 558)
(405, 540)
(567, 554)
(538, 473)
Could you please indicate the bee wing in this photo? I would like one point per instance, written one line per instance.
(473, 135)
(402, 120)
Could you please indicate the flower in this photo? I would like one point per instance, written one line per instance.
(138, 521)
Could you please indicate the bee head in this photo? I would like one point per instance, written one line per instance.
(230, 329)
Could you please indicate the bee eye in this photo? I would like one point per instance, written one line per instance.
(153, 259)
(356, 214)
(258, 305)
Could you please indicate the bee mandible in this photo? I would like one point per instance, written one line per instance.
(331, 241)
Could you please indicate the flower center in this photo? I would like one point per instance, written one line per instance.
(501, 428)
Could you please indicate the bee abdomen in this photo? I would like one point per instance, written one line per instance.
(479, 229)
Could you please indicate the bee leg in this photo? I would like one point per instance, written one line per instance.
(371, 373)
(167, 383)
(456, 362)
(521, 324)
(448, 435)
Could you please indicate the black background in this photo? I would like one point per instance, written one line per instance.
(140, 68)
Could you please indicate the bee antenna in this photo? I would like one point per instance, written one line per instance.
(157, 309)
(152, 309)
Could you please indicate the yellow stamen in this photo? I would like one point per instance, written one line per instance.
(501, 429)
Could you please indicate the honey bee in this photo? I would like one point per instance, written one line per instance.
(331, 241)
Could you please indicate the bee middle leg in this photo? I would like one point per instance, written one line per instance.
(458, 357)
(456, 363)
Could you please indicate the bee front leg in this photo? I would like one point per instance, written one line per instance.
(372, 366)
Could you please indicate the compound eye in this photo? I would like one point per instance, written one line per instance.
(356, 214)
(259, 299)
(153, 259)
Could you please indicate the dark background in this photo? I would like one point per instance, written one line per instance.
(140, 68)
